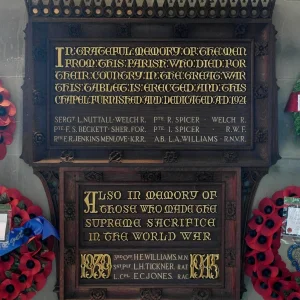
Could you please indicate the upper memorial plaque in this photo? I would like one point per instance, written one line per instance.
(155, 90)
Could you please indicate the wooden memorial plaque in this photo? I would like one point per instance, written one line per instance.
(171, 230)
(150, 126)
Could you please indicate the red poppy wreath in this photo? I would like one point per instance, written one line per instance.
(269, 275)
(7, 120)
(24, 270)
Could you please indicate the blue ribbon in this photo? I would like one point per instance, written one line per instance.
(32, 228)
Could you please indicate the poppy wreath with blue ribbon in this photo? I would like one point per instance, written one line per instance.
(268, 272)
(26, 259)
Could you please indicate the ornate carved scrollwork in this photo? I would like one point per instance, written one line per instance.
(205, 176)
(230, 257)
(181, 31)
(261, 91)
(93, 176)
(151, 294)
(240, 30)
(115, 156)
(98, 294)
(123, 30)
(67, 156)
(230, 210)
(201, 294)
(75, 30)
(261, 135)
(38, 138)
(231, 156)
(171, 157)
(69, 256)
(151, 176)
(37, 98)
(261, 49)
(69, 211)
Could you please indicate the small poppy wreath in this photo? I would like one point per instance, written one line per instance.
(7, 121)
(269, 275)
(24, 271)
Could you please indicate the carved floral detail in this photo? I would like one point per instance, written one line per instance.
(205, 176)
(69, 211)
(171, 157)
(261, 91)
(261, 49)
(93, 176)
(230, 210)
(98, 294)
(231, 156)
(151, 176)
(230, 257)
(38, 138)
(123, 30)
(181, 30)
(67, 156)
(69, 256)
(240, 30)
(151, 294)
(115, 156)
(261, 135)
(75, 30)
(201, 294)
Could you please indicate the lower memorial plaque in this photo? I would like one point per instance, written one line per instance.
(172, 233)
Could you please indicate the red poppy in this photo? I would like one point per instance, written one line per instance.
(258, 241)
(5, 139)
(266, 272)
(262, 288)
(255, 258)
(33, 247)
(28, 263)
(49, 243)
(3, 189)
(21, 216)
(294, 296)
(10, 128)
(6, 261)
(272, 224)
(13, 194)
(4, 92)
(34, 211)
(23, 280)
(27, 296)
(257, 221)
(40, 281)
(7, 111)
(26, 201)
(266, 206)
(48, 268)
(291, 191)
(48, 255)
(9, 290)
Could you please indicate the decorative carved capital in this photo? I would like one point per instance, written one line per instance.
(261, 49)
(38, 138)
(230, 257)
(115, 156)
(261, 91)
(171, 157)
(240, 30)
(261, 135)
(205, 176)
(201, 294)
(231, 156)
(69, 211)
(98, 294)
(151, 294)
(75, 30)
(230, 210)
(37, 97)
(69, 256)
(67, 156)
(93, 176)
(151, 176)
(123, 30)
(181, 31)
